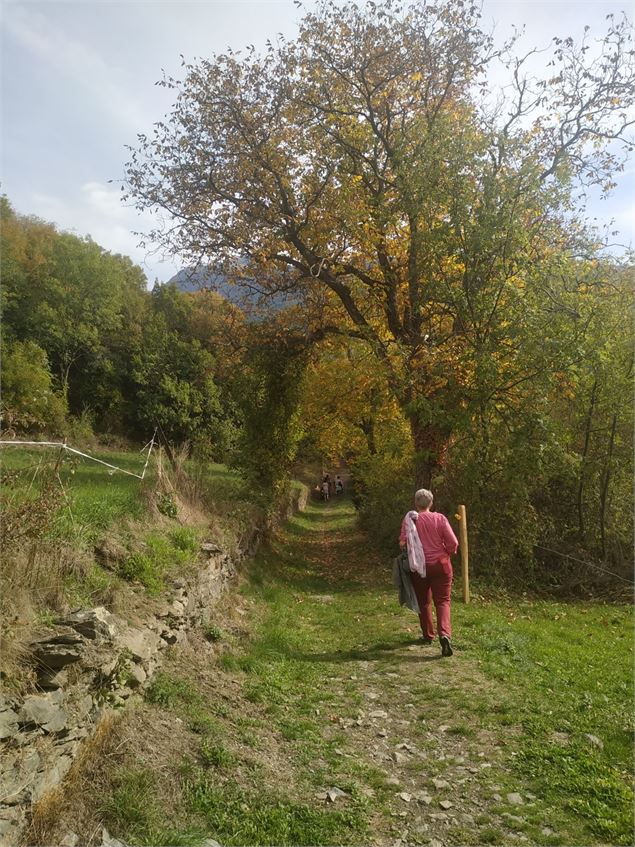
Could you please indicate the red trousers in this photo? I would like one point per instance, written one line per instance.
(435, 586)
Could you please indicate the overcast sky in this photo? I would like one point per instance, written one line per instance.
(78, 85)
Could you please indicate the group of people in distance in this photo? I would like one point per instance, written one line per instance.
(328, 486)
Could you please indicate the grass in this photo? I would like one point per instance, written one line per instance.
(568, 671)
(279, 713)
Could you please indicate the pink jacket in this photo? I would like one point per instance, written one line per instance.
(437, 538)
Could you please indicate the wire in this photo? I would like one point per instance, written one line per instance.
(567, 556)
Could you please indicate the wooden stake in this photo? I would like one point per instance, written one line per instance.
(465, 567)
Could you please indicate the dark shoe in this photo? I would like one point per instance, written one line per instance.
(446, 646)
(426, 640)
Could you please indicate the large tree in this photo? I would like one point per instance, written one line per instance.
(366, 169)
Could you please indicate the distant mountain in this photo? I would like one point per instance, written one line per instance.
(202, 277)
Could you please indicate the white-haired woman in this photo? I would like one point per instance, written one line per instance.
(439, 543)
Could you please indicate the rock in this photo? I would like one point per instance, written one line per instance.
(446, 804)
(334, 794)
(444, 728)
(405, 746)
(50, 778)
(399, 758)
(515, 799)
(497, 798)
(54, 652)
(546, 830)
(594, 741)
(8, 723)
(71, 839)
(378, 713)
(422, 797)
(392, 780)
(39, 711)
(321, 598)
(137, 676)
(140, 644)
(177, 609)
(209, 842)
(93, 623)
(513, 818)
(211, 547)
(440, 783)
(405, 796)
(439, 816)
(108, 841)
(382, 733)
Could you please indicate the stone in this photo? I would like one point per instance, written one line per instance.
(8, 723)
(54, 652)
(177, 609)
(399, 758)
(139, 643)
(440, 783)
(382, 733)
(392, 780)
(92, 623)
(41, 712)
(50, 778)
(546, 830)
(594, 741)
(446, 804)
(108, 841)
(405, 796)
(515, 799)
(444, 728)
(378, 713)
(513, 818)
(497, 797)
(211, 547)
(405, 746)
(71, 839)
(137, 676)
(335, 793)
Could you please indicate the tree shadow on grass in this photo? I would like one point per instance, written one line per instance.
(374, 652)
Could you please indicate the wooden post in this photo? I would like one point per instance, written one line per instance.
(465, 568)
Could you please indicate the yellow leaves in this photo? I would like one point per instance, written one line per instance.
(417, 77)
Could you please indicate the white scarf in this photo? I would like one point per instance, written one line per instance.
(416, 558)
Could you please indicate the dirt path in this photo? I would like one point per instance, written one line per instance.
(316, 701)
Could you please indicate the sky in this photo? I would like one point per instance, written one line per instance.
(78, 81)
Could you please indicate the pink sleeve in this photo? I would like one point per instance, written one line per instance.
(402, 534)
(450, 541)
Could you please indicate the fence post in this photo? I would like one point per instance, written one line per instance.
(465, 559)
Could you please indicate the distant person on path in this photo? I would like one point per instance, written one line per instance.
(325, 490)
(339, 485)
(439, 543)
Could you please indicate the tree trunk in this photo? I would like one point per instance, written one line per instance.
(605, 487)
(583, 459)
(431, 447)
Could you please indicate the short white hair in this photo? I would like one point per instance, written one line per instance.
(423, 498)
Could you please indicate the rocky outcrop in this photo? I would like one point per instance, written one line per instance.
(90, 664)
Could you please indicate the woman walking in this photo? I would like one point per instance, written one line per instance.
(439, 543)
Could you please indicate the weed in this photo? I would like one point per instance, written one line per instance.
(167, 691)
(215, 755)
(212, 632)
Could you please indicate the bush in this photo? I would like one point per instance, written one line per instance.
(29, 403)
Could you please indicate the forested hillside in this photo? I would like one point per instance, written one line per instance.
(540, 447)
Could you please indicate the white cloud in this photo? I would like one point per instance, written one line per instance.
(108, 222)
(108, 86)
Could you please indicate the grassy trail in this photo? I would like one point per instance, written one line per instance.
(310, 714)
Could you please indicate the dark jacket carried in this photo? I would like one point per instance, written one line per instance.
(403, 583)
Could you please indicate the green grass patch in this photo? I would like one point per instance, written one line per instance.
(239, 817)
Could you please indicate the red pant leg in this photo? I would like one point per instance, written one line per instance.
(439, 575)
(424, 599)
